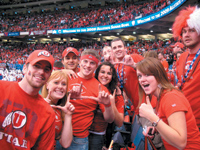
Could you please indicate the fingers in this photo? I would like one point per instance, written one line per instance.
(68, 97)
(114, 93)
(74, 75)
(48, 95)
(81, 86)
(71, 107)
(99, 87)
(89, 97)
(54, 106)
(148, 100)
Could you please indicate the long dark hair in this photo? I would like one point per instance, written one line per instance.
(114, 81)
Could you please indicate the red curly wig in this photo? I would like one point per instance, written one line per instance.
(181, 21)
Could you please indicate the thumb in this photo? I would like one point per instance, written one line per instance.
(148, 100)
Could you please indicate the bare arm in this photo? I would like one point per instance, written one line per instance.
(175, 133)
(67, 132)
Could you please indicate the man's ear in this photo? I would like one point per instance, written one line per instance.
(25, 67)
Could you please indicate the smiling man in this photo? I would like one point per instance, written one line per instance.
(85, 85)
(125, 67)
(26, 120)
(70, 60)
(187, 27)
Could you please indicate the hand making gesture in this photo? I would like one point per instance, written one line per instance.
(128, 61)
(76, 91)
(47, 99)
(146, 110)
(68, 108)
(103, 97)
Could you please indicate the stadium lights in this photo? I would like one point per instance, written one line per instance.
(100, 34)
(170, 29)
(151, 31)
(134, 32)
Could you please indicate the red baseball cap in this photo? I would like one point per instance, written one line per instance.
(68, 50)
(39, 55)
(181, 45)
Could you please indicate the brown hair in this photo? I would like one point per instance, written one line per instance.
(151, 53)
(91, 52)
(118, 39)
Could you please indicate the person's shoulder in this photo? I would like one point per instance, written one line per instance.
(137, 56)
(5, 84)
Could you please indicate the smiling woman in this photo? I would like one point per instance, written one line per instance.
(55, 93)
(173, 118)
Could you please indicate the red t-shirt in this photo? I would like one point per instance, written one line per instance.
(165, 65)
(192, 86)
(26, 121)
(131, 85)
(58, 122)
(175, 101)
(99, 124)
(83, 115)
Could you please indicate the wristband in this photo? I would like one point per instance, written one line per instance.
(108, 105)
(154, 124)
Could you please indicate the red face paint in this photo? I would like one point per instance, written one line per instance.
(29, 73)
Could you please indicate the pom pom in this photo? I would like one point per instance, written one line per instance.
(194, 20)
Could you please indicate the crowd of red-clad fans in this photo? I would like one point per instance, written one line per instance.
(14, 55)
(65, 19)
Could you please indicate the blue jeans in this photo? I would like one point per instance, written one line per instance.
(96, 142)
(58, 145)
(78, 144)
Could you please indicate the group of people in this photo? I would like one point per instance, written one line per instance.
(81, 96)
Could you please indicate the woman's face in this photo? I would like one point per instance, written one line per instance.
(148, 83)
(105, 75)
(57, 89)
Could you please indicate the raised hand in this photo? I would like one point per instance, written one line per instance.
(76, 91)
(47, 99)
(146, 110)
(103, 97)
(128, 61)
(68, 108)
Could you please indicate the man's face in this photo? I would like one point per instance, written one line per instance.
(87, 68)
(119, 50)
(190, 37)
(36, 75)
(176, 49)
(70, 61)
(107, 54)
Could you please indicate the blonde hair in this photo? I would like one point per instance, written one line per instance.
(60, 75)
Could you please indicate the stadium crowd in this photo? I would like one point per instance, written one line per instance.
(65, 19)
